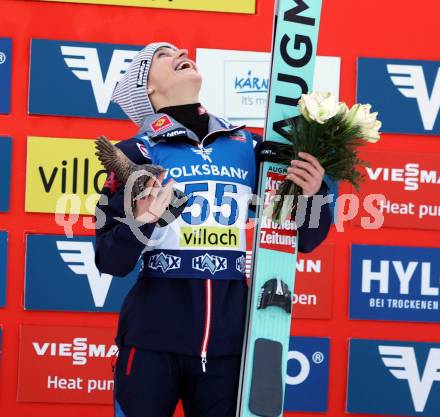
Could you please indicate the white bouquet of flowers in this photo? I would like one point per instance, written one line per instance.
(330, 131)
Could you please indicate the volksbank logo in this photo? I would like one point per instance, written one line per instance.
(164, 262)
(411, 83)
(204, 153)
(62, 275)
(409, 375)
(211, 263)
(77, 79)
(80, 258)
(401, 361)
(85, 64)
(405, 93)
(395, 283)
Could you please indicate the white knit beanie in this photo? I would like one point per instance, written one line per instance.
(131, 91)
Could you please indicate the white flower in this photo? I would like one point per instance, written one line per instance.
(343, 109)
(359, 115)
(318, 107)
(371, 133)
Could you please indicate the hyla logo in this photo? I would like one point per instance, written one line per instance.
(395, 283)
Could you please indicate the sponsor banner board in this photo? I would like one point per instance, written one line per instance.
(63, 175)
(307, 374)
(5, 172)
(66, 364)
(227, 6)
(395, 283)
(235, 83)
(313, 294)
(61, 275)
(410, 184)
(5, 75)
(3, 266)
(393, 378)
(406, 93)
(312, 298)
(77, 78)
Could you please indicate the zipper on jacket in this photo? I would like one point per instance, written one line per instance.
(207, 331)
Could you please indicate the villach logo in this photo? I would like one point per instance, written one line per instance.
(409, 375)
(405, 93)
(61, 275)
(77, 79)
(395, 283)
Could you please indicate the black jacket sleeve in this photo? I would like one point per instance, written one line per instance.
(310, 236)
(117, 248)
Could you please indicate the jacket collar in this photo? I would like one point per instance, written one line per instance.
(160, 127)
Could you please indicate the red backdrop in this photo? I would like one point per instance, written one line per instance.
(349, 29)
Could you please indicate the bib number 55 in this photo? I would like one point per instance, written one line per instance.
(220, 200)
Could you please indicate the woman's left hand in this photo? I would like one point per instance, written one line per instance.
(308, 174)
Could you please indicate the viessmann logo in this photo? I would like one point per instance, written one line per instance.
(78, 349)
(412, 176)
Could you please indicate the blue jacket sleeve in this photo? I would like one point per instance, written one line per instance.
(117, 248)
(309, 237)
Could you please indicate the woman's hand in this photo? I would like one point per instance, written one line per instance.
(155, 201)
(307, 174)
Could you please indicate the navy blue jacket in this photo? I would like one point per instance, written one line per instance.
(169, 314)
